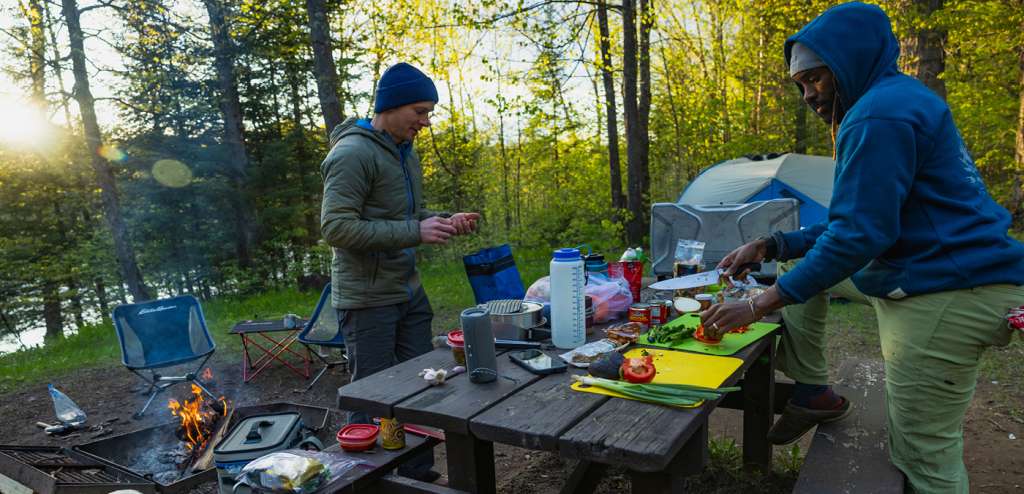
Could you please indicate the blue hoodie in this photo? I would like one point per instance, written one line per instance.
(909, 212)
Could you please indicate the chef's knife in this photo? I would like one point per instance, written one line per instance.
(700, 279)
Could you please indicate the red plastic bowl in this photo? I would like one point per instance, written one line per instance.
(358, 437)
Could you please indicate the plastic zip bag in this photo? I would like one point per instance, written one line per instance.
(294, 471)
(68, 413)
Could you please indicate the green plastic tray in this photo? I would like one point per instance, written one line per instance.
(731, 343)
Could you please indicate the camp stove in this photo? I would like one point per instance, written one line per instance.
(514, 319)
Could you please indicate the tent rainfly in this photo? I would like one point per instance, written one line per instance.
(808, 179)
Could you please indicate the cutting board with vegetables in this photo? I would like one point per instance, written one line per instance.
(674, 367)
(730, 344)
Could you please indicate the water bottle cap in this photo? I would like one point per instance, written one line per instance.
(567, 254)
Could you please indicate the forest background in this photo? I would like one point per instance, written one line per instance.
(157, 147)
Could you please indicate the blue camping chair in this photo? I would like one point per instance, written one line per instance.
(324, 330)
(163, 333)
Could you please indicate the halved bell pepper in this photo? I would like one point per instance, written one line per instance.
(638, 370)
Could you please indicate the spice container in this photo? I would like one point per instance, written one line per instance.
(705, 299)
(392, 434)
(457, 343)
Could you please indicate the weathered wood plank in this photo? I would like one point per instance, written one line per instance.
(643, 436)
(393, 484)
(690, 460)
(470, 463)
(378, 393)
(379, 462)
(852, 455)
(538, 414)
(451, 405)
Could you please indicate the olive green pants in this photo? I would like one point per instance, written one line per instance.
(931, 345)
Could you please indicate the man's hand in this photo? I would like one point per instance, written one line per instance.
(464, 222)
(746, 253)
(436, 230)
(721, 318)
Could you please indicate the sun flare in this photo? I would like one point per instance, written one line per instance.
(21, 123)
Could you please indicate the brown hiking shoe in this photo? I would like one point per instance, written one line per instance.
(796, 421)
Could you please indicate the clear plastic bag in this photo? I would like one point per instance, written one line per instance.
(689, 252)
(68, 413)
(294, 471)
(611, 296)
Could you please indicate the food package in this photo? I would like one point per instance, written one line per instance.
(294, 471)
(582, 356)
(624, 333)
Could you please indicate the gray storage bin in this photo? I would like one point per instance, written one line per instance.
(723, 227)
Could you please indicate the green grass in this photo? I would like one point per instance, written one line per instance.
(96, 345)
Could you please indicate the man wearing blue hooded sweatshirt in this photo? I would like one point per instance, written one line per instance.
(373, 216)
(913, 226)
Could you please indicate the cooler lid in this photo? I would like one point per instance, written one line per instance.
(259, 433)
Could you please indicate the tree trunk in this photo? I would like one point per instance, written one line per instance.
(101, 298)
(104, 176)
(929, 51)
(324, 69)
(37, 50)
(1017, 196)
(644, 114)
(234, 133)
(76, 302)
(51, 312)
(611, 110)
(800, 126)
(634, 198)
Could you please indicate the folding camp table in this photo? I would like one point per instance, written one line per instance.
(270, 341)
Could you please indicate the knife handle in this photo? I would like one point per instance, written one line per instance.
(750, 266)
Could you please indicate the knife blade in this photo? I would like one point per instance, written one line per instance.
(700, 279)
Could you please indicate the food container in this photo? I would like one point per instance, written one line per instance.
(358, 437)
(705, 299)
(392, 434)
(641, 314)
(252, 438)
(457, 342)
(660, 310)
(512, 319)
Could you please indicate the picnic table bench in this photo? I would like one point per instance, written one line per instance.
(658, 445)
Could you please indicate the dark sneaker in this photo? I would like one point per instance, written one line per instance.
(796, 421)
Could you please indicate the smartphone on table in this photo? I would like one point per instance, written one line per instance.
(537, 361)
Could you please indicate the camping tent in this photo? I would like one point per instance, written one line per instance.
(808, 179)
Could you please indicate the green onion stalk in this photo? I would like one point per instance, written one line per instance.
(664, 394)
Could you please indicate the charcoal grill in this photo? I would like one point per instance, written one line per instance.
(53, 470)
(136, 451)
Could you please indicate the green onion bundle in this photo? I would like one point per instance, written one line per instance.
(664, 394)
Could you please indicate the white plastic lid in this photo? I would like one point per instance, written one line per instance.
(685, 304)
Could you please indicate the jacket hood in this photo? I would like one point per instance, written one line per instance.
(357, 126)
(856, 41)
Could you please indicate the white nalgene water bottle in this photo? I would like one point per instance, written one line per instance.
(568, 319)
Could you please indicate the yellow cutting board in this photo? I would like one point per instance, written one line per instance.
(674, 367)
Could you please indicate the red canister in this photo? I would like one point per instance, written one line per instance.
(640, 313)
(659, 311)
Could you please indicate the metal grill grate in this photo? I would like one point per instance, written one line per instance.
(505, 306)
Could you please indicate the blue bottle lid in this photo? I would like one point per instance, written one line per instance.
(566, 255)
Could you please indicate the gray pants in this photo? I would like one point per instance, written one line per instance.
(379, 337)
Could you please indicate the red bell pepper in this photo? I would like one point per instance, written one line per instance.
(638, 370)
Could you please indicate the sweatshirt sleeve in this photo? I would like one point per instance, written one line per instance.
(795, 244)
(878, 161)
(347, 183)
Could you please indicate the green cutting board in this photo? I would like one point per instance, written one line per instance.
(730, 344)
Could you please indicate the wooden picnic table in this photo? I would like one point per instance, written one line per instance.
(659, 445)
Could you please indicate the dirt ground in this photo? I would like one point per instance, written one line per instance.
(995, 460)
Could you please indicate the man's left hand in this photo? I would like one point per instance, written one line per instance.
(465, 222)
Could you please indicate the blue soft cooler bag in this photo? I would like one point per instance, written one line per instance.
(493, 275)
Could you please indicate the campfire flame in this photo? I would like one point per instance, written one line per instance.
(197, 418)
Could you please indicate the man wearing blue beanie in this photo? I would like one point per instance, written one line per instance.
(373, 216)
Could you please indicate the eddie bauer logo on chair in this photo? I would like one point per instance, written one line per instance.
(157, 309)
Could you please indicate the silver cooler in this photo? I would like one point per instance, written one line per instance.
(723, 227)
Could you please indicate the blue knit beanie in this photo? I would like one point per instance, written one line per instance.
(402, 84)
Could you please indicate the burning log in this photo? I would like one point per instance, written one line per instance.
(199, 429)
